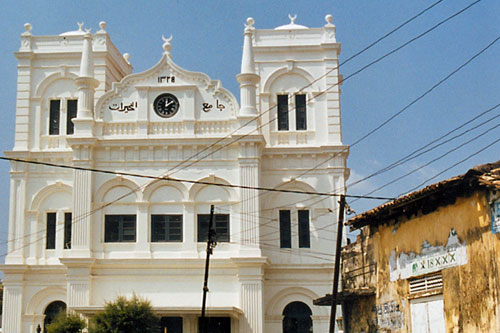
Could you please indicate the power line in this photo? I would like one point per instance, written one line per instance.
(329, 194)
(349, 76)
(420, 151)
(435, 159)
(308, 85)
(411, 103)
(451, 167)
(116, 173)
(330, 87)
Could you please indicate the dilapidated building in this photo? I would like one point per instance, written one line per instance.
(428, 261)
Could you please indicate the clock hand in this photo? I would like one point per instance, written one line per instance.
(167, 104)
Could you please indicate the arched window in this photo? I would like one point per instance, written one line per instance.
(297, 318)
(51, 311)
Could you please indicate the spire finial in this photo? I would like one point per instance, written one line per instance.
(329, 20)
(28, 27)
(250, 23)
(166, 46)
(126, 56)
(102, 25)
(292, 18)
(80, 25)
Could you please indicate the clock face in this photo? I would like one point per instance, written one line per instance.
(166, 105)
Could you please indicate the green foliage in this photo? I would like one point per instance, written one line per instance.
(133, 315)
(66, 323)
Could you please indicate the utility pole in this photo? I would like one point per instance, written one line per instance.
(211, 243)
(337, 264)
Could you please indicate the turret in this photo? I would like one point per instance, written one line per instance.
(248, 79)
(86, 84)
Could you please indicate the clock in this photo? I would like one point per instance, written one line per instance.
(166, 105)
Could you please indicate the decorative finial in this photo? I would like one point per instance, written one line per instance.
(28, 27)
(329, 20)
(126, 56)
(166, 46)
(102, 25)
(250, 22)
(80, 25)
(292, 18)
(87, 31)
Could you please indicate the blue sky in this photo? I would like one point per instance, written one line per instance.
(207, 37)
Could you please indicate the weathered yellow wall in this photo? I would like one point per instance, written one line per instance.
(471, 291)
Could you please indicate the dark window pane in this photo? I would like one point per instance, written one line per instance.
(300, 112)
(54, 115)
(221, 227)
(171, 325)
(67, 230)
(285, 229)
(71, 113)
(216, 324)
(166, 228)
(304, 237)
(51, 312)
(297, 318)
(282, 112)
(51, 231)
(120, 228)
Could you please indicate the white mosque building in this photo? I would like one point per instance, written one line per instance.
(80, 237)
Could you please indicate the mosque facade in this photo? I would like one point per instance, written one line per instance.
(113, 174)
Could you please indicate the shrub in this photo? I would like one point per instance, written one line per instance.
(133, 315)
(66, 323)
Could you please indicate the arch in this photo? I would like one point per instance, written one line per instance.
(286, 296)
(286, 70)
(272, 197)
(43, 298)
(197, 189)
(49, 80)
(116, 182)
(45, 192)
(152, 187)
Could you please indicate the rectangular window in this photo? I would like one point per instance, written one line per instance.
(285, 229)
(166, 228)
(119, 228)
(67, 230)
(55, 106)
(427, 314)
(221, 227)
(304, 237)
(282, 112)
(50, 238)
(70, 114)
(300, 112)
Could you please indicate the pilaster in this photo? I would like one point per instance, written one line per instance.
(250, 276)
(16, 248)
(13, 298)
(78, 279)
(82, 202)
(249, 164)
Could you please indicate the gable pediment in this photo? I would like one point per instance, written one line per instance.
(199, 98)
